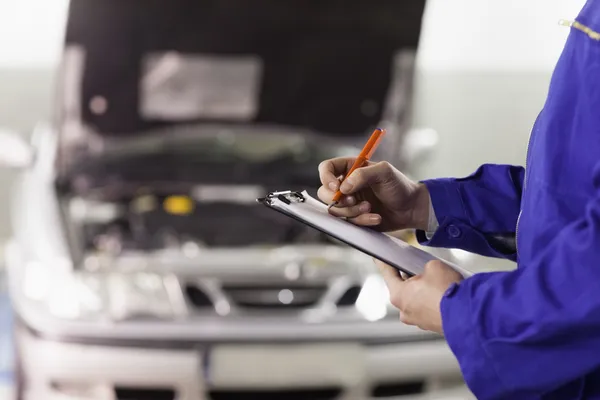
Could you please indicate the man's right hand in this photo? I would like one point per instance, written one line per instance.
(376, 195)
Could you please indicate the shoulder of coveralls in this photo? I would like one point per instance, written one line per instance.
(590, 15)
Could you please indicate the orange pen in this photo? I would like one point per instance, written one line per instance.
(362, 159)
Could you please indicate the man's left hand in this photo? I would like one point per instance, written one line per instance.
(418, 298)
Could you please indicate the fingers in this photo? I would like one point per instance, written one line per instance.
(330, 170)
(404, 319)
(358, 214)
(434, 266)
(368, 219)
(392, 278)
(364, 177)
(326, 196)
(439, 271)
(352, 211)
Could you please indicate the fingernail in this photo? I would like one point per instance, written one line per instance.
(334, 185)
(364, 207)
(347, 185)
(350, 200)
(375, 219)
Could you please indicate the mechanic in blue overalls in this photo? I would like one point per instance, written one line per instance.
(531, 333)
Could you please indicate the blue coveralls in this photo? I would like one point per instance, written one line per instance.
(534, 333)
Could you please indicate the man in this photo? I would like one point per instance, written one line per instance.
(532, 333)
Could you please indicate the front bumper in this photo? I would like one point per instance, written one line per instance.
(408, 371)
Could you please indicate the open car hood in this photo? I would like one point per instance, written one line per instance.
(334, 68)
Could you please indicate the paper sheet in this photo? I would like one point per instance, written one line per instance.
(379, 245)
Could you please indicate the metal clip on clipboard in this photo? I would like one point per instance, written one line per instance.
(286, 196)
(393, 251)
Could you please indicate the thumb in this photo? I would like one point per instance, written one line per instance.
(364, 177)
(438, 270)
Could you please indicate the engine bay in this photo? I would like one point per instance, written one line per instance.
(190, 188)
(152, 222)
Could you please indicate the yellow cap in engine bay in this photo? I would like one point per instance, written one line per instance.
(179, 205)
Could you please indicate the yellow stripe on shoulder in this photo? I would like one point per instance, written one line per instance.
(585, 29)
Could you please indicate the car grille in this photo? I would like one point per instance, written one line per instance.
(138, 393)
(274, 296)
(278, 296)
(349, 297)
(394, 390)
(300, 394)
(197, 297)
(382, 391)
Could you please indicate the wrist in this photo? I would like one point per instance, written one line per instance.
(421, 209)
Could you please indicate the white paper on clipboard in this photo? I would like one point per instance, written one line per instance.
(393, 251)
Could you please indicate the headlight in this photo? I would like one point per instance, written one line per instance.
(373, 302)
(75, 296)
(139, 295)
(95, 295)
(64, 294)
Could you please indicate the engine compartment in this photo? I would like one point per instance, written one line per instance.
(193, 188)
(153, 222)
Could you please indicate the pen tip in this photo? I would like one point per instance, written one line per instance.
(331, 205)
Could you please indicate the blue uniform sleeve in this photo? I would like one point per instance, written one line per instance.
(474, 213)
(536, 328)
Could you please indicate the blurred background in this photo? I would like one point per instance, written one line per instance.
(196, 312)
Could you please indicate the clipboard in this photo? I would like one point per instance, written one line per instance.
(393, 251)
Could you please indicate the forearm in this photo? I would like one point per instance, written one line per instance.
(530, 330)
(477, 213)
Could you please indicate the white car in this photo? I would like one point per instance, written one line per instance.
(141, 267)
